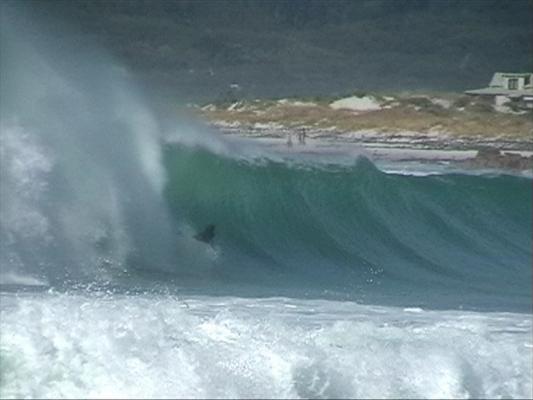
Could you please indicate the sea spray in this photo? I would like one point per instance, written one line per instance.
(81, 172)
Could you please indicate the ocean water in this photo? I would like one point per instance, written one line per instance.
(328, 277)
(439, 241)
(142, 346)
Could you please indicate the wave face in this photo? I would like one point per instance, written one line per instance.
(455, 239)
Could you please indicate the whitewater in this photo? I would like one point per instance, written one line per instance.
(328, 277)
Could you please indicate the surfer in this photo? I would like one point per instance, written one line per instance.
(207, 235)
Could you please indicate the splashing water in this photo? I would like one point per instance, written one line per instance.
(96, 227)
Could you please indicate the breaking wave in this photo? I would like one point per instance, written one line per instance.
(90, 194)
(324, 279)
(461, 239)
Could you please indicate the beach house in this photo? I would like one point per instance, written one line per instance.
(509, 86)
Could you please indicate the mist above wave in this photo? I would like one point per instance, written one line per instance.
(81, 171)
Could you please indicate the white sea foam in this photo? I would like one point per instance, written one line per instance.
(13, 278)
(24, 166)
(200, 347)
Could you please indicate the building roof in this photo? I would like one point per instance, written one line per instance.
(498, 85)
(496, 91)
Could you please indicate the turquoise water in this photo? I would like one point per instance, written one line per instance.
(453, 240)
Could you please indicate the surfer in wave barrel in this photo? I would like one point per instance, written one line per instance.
(207, 235)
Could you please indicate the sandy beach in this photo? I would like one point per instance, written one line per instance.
(449, 129)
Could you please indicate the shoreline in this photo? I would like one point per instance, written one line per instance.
(407, 139)
(400, 147)
(472, 132)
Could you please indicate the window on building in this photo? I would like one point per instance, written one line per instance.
(512, 84)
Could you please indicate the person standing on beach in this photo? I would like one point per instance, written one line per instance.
(301, 135)
(289, 140)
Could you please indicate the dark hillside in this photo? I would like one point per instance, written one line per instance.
(195, 49)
